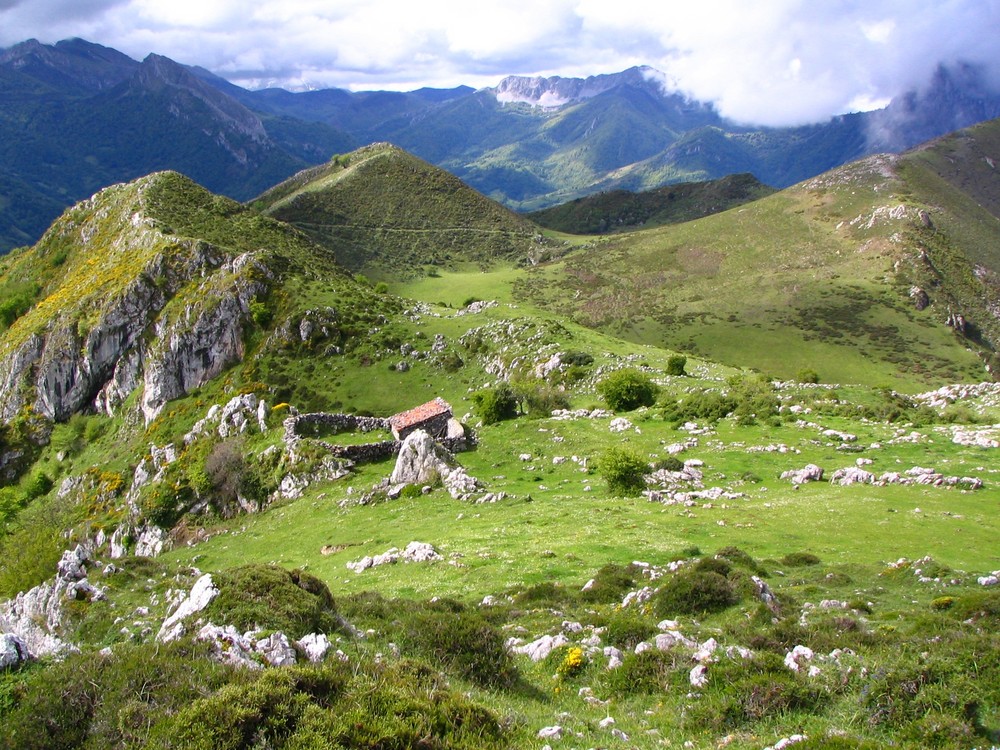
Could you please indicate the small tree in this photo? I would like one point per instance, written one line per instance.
(624, 471)
(625, 390)
(676, 365)
(496, 404)
(539, 399)
(807, 376)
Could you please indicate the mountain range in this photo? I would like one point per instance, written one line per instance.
(76, 116)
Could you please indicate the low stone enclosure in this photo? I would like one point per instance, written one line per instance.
(301, 425)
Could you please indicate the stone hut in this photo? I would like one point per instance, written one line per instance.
(432, 417)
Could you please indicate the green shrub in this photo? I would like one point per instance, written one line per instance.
(746, 694)
(610, 584)
(670, 463)
(14, 305)
(978, 606)
(541, 399)
(694, 593)
(547, 594)
(459, 639)
(741, 559)
(713, 565)
(33, 545)
(624, 471)
(625, 390)
(267, 597)
(650, 673)
(799, 559)
(627, 629)
(755, 398)
(232, 474)
(577, 359)
(942, 602)
(837, 743)
(496, 404)
(450, 362)
(807, 376)
(938, 729)
(704, 405)
(676, 364)
(260, 313)
(92, 700)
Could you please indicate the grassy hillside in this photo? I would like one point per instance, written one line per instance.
(817, 276)
(380, 207)
(621, 210)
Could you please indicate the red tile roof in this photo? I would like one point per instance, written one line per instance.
(420, 414)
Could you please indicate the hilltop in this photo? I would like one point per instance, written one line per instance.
(382, 207)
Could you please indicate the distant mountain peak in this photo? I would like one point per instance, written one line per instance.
(71, 62)
(556, 91)
(158, 72)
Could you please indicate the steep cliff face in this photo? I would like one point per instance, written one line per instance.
(127, 302)
(556, 91)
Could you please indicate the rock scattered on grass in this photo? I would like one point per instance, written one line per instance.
(414, 552)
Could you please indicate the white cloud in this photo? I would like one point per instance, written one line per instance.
(775, 62)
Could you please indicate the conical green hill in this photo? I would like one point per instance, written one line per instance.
(382, 208)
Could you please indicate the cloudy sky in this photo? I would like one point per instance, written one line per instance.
(768, 62)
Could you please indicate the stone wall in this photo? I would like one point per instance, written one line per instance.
(296, 425)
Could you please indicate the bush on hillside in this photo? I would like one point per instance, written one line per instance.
(670, 463)
(703, 405)
(799, 559)
(676, 364)
(807, 375)
(496, 404)
(650, 672)
(176, 695)
(540, 399)
(625, 390)
(452, 636)
(611, 583)
(232, 476)
(694, 592)
(267, 597)
(579, 359)
(626, 629)
(624, 471)
(755, 399)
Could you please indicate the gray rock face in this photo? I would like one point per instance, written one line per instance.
(811, 473)
(72, 565)
(147, 333)
(230, 646)
(276, 650)
(420, 460)
(315, 646)
(35, 617)
(423, 461)
(206, 339)
(12, 651)
(202, 594)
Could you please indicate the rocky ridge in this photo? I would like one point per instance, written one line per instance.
(158, 311)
